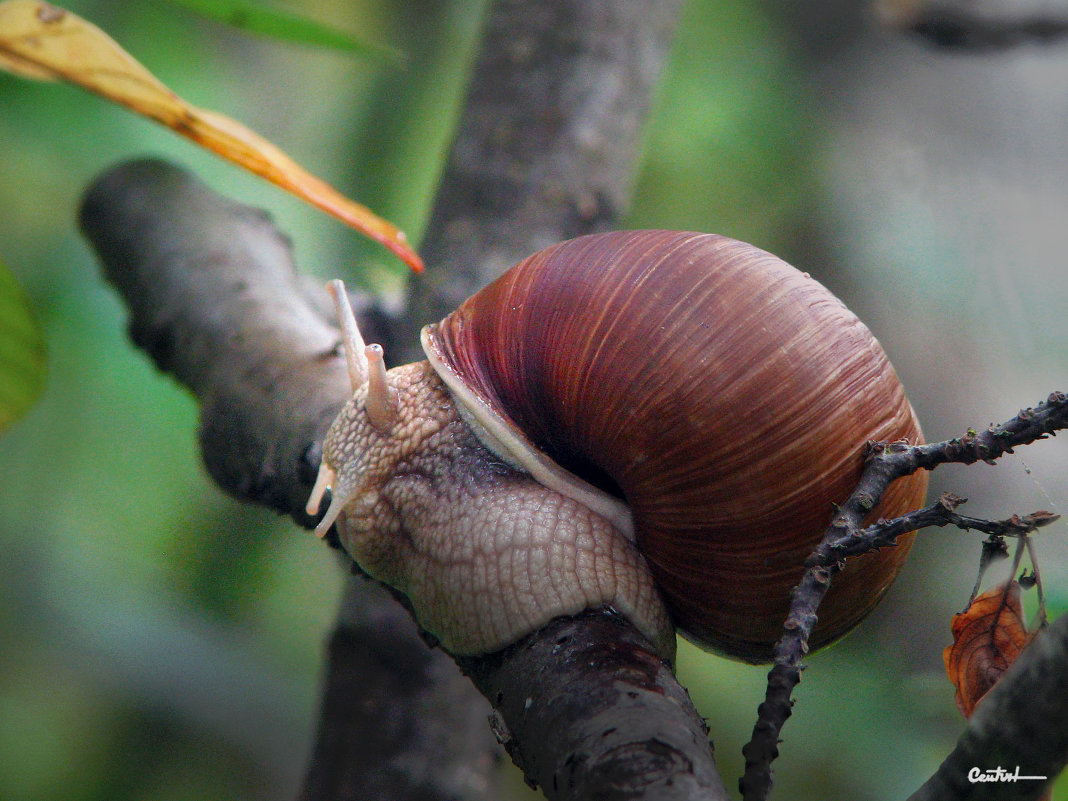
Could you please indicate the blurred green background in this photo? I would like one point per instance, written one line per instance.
(158, 640)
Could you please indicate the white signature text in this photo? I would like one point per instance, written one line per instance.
(999, 774)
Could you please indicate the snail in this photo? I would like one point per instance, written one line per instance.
(658, 422)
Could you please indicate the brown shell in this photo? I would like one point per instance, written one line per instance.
(727, 396)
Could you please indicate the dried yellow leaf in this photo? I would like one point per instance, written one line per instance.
(42, 41)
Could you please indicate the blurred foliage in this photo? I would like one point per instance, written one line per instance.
(161, 641)
(278, 23)
(22, 351)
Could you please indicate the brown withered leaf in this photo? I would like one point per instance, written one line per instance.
(987, 638)
(41, 41)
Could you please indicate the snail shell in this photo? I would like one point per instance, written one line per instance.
(725, 396)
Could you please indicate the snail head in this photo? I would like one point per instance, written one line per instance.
(372, 392)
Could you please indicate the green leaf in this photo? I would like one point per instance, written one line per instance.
(22, 352)
(253, 17)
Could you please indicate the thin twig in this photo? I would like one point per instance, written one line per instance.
(844, 537)
(942, 513)
(1036, 577)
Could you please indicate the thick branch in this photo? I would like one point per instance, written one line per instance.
(398, 721)
(212, 292)
(548, 140)
(630, 731)
(608, 672)
(546, 151)
(215, 300)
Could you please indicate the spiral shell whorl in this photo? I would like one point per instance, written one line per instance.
(725, 395)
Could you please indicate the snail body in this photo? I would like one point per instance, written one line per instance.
(655, 421)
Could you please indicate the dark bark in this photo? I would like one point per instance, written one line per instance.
(398, 720)
(587, 711)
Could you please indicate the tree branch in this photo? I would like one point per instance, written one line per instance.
(192, 267)
(884, 534)
(844, 537)
(398, 721)
(547, 143)
(620, 722)
(545, 151)
(977, 26)
(608, 717)
(215, 300)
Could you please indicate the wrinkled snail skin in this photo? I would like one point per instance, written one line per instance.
(484, 553)
(683, 396)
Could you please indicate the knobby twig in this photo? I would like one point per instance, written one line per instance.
(844, 537)
(884, 534)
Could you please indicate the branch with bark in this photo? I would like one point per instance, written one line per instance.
(216, 301)
(620, 722)
(545, 151)
(547, 143)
